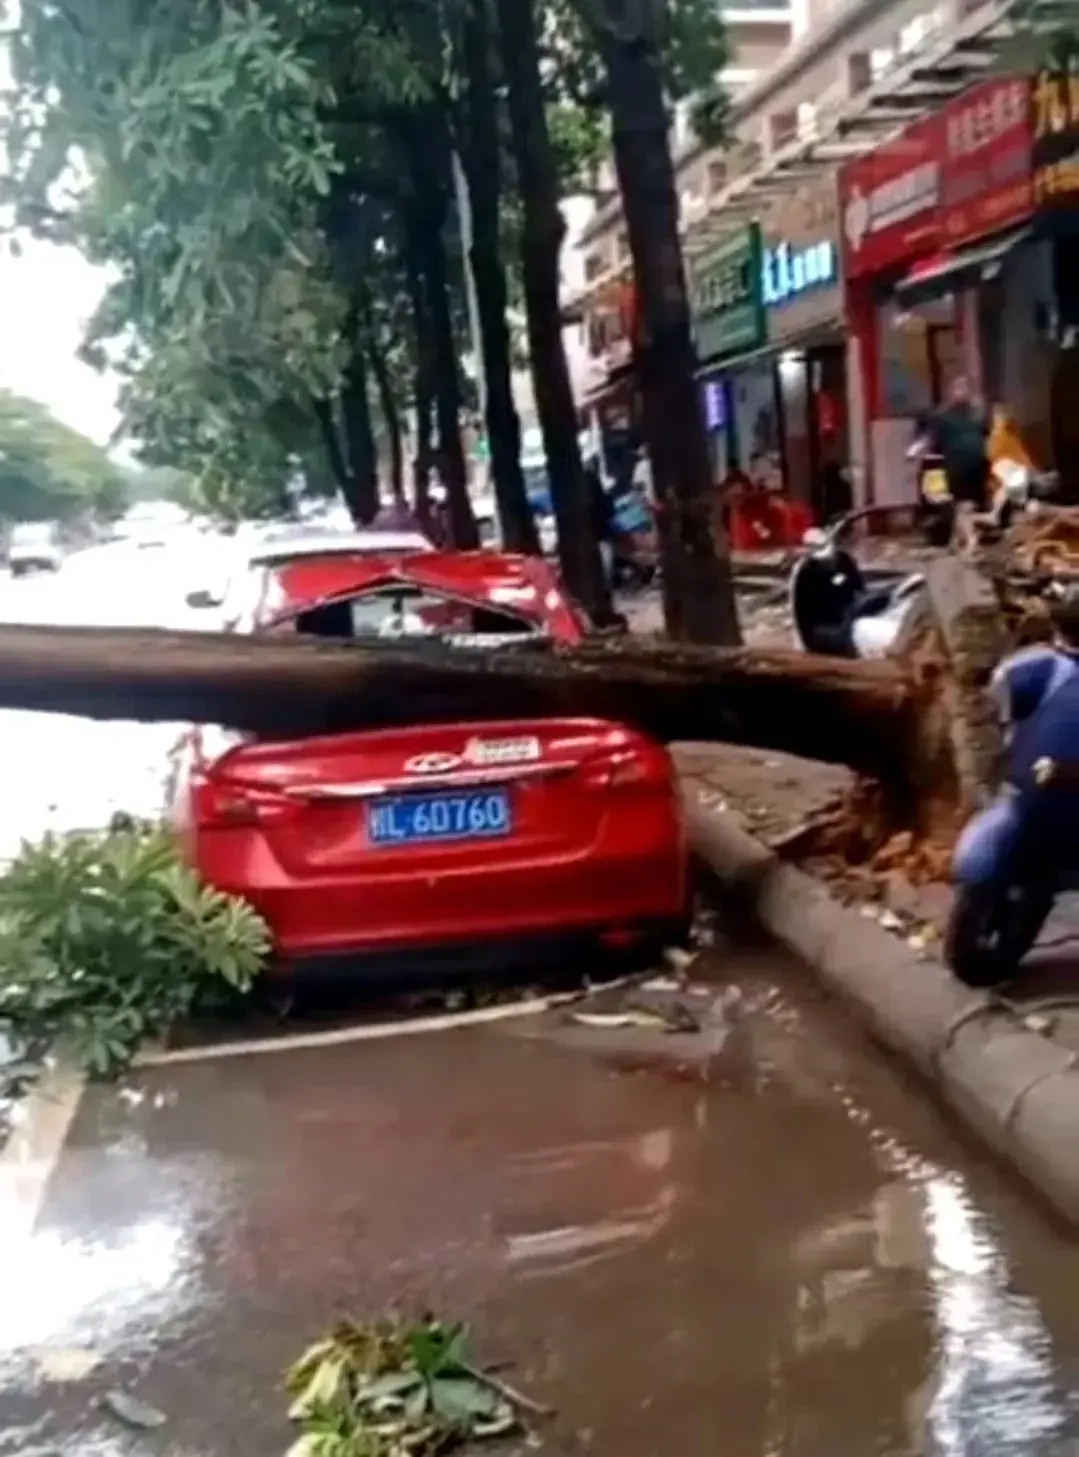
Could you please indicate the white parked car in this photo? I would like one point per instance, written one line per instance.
(279, 545)
(35, 547)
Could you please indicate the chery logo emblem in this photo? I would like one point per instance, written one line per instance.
(432, 763)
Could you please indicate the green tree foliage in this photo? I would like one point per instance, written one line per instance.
(49, 472)
(244, 169)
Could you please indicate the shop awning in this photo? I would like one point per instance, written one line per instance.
(947, 272)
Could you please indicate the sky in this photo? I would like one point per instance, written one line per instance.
(46, 297)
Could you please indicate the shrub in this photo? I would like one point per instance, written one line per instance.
(107, 940)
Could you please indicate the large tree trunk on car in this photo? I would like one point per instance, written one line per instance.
(861, 714)
(700, 592)
(483, 170)
(541, 246)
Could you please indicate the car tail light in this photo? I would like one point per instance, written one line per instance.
(623, 767)
(222, 804)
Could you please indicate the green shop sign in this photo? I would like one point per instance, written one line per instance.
(725, 290)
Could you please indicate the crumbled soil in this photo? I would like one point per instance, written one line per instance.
(820, 817)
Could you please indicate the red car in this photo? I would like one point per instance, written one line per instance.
(482, 844)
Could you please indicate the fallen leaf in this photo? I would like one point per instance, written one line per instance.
(1041, 1024)
(132, 1411)
(613, 1021)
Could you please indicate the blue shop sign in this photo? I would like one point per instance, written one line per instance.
(787, 273)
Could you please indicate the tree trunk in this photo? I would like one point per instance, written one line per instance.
(855, 713)
(361, 491)
(429, 163)
(391, 417)
(698, 564)
(483, 169)
(421, 390)
(331, 441)
(541, 244)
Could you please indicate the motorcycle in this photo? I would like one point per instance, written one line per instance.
(1017, 855)
(835, 612)
(935, 501)
(1014, 487)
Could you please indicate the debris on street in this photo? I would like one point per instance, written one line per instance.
(133, 1411)
(396, 1388)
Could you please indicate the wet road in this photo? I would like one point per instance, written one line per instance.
(67, 773)
(776, 1248)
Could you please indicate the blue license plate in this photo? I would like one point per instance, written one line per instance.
(418, 819)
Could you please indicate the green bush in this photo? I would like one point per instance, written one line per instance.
(107, 940)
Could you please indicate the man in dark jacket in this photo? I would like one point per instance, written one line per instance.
(959, 434)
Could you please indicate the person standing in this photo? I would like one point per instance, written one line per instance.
(959, 433)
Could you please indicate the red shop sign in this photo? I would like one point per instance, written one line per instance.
(987, 178)
(889, 200)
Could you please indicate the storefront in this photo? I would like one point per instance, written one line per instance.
(1055, 127)
(989, 267)
(804, 312)
(889, 207)
(944, 275)
(611, 410)
(738, 395)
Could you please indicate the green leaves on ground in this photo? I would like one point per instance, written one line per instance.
(395, 1390)
(107, 940)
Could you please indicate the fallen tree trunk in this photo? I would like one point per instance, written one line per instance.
(861, 714)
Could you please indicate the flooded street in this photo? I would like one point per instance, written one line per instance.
(777, 1249)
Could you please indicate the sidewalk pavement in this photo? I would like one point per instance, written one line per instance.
(1006, 1062)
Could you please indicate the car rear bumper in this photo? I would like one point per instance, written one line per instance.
(639, 881)
(571, 953)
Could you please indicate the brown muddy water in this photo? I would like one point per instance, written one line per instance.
(756, 1241)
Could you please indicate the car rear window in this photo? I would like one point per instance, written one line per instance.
(411, 612)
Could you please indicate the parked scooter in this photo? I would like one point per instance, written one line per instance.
(936, 504)
(835, 612)
(1015, 857)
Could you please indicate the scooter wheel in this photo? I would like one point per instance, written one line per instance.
(990, 930)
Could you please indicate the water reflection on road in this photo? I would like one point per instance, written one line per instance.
(791, 1258)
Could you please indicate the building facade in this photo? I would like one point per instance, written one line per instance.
(890, 174)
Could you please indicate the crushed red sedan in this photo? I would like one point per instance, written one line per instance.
(477, 844)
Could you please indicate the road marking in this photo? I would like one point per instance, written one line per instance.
(40, 1125)
(372, 1032)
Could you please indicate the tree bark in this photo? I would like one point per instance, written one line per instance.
(481, 155)
(421, 390)
(541, 244)
(331, 440)
(698, 563)
(861, 714)
(391, 417)
(361, 489)
(429, 163)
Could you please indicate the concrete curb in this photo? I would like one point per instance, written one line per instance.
(1014, 1089)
